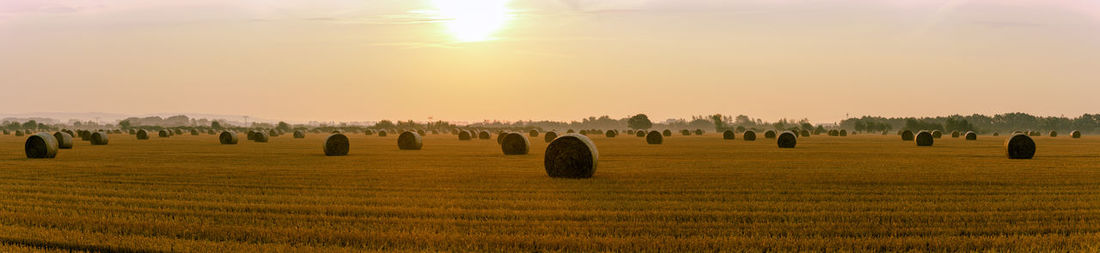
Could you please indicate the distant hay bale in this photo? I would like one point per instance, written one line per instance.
(177, 132)
(273, 133)
(1075, 134)
(464, 136)
(298, 134)
(549, 136)
(454, 131)
(571, 156)
(132, 132)
(533, 133)
(164, 133)
(906, 135)
(194, 132)
(653, 137)
(142, 134)
(584, 132)
(955, 134)
(610, 134)
(666, 133)
(834, 132)
(84, 135)
(936, 134)
(685, 132)
(382, 133)
(787, 139)
(228, 138)
(1020, 146)
(368, 132)
(210, 132)
(64, 140)
(699, 132)
(729, 135)
(805, 133)
(1053, 133)
(484, 135)
(749, 136)
(260, 136)
(640, 133)
(843, 132)
(515, 144)
(996, 134)
(630, 131)
(337, 145)
(409, 141)
(924, 139)
(1035, 133)
(420, 132)
(40, 145)
(569, 131)
(99, 138)
(770, 134)
(971, 136)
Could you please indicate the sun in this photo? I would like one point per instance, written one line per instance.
(473, 20)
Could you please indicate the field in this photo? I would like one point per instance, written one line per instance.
(698, 193)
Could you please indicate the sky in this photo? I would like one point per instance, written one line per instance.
(473, 60)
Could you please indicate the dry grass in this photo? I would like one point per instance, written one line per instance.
(693, 193)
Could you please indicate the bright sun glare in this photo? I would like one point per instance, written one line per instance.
(473, 20)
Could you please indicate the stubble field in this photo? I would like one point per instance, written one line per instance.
(697, 193)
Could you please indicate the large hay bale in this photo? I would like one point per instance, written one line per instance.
(142, 134)
(515, 144)
(64, 140)
(955, 134)
(653, 137)
(99, 138)
(571, 156)
(409, 141)
(729, 135)
(971, 136)
(805, 133)
(41, 145)
(936, 134)
(749, 135)
(611, 134)
(260, 136)
(640, 133)
(699, 132)
(1053, 133)
(484, 135)
(666, 133)
(533, 133)
(164, 133)
(770, 134)
(907, 135)
(298, 134)
(1020, 146)
(337, 145)
(787, 139)
(382, 133)
(843, 132)
(464, 136)
(1075, 134)
(194, 132)
(549, 136)
(924, 139)
(228, 137)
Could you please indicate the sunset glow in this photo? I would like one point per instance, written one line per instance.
(473, 21)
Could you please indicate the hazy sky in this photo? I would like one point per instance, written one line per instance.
(347, 60)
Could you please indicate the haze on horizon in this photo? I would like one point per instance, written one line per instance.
(341, 60)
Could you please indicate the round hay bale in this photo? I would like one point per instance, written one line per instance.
(843, 132)
(409, 141)
(463, 136)
(667, 133)
(1035, 133)
(833, 132)
(924, 139)
(996, 134)
(770, 134)
(971, 136)
(533, 133)
(368, 132)
(549, 136)
(907, 135)
(299, 134)
(500, 137)
(337, 145)
(142, 134)
(210, 132)
(584, 132)
(640, 133)
(610, 134)
(484, 135)
(699, 132)
(515, 144)
(787, 139)
(260, 136)
(228, 138)
(273, 133)
(382, 133)
(41, 145)
(569, 131)
(630, 131)
(164, 133)
(805, 133)
(99, 138)
(653, 137)
(571, 156)
(729, 135)
(749, 135)
(1075, 134)
(194, 132)
(132, 132)
(64, 140)
(937, 134)
(1020, 146)
(84, 135)
(420, 132)
(177, 132)
(955, 134)
(1053, 133)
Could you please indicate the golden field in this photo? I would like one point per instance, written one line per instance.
(697, 193)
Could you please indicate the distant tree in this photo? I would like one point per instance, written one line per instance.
(283, 126)
(384, 124)
(819, 129)
(215, 125)
(640, 121)
(125, 124)
(30, 124)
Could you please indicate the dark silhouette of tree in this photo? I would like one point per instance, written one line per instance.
(640, 121)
